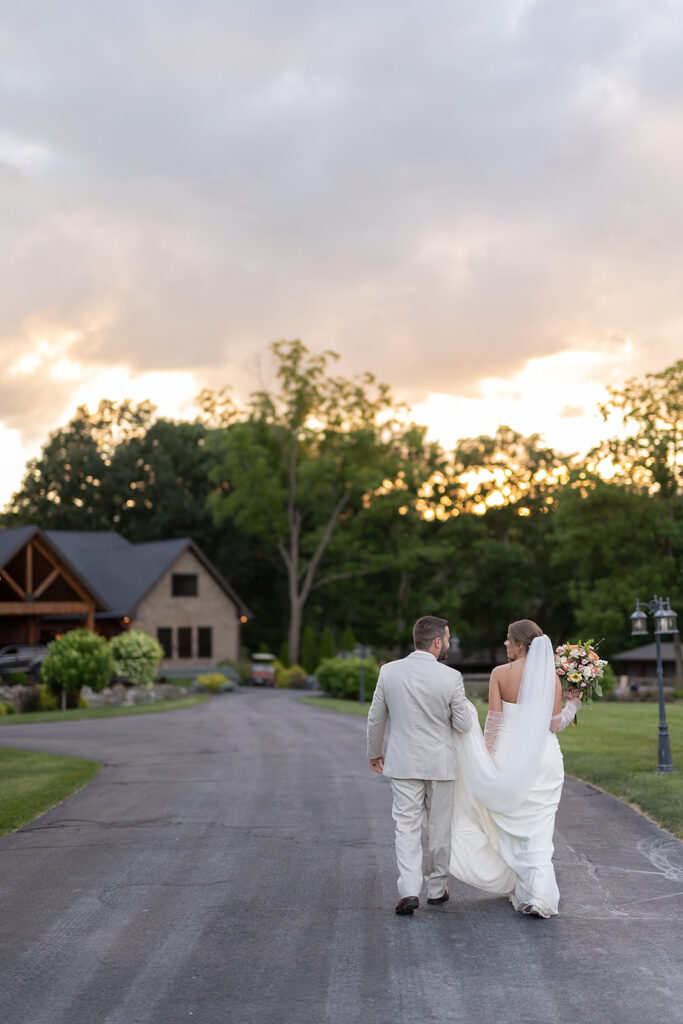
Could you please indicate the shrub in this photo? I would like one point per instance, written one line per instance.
(327, 647)
(136, 656)
(46, 699)
(214, 682)
(308, 656)
(609, 679)
(348, 640)
(283, 654)
(77, 658)
(279, 669)
(242, 668)
(3, 708)
(294, 677)
(17, 678)
(340, 677)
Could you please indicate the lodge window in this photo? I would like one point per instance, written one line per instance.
(205, 642)
(165, 638)
(184, 642)
(184, 584)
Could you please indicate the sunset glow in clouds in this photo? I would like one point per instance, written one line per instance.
(480, 204)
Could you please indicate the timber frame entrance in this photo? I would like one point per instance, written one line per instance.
(35, 583)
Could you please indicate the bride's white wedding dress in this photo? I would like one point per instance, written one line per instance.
(505, 804)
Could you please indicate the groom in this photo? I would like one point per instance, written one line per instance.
(425, 701)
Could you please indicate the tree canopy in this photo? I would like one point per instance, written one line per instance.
(326, 507)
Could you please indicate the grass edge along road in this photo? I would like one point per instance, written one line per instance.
(614, 746)
(75, 714)
(32, 783)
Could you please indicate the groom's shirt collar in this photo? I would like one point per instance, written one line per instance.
(421, 654)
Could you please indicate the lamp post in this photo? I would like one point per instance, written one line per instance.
(666, 621)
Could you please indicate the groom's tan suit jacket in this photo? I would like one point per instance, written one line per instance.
(426, 702)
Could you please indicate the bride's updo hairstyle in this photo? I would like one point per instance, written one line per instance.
(523, 632)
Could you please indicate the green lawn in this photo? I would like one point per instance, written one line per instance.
(32, 783)
(33, 717)
(613, 746)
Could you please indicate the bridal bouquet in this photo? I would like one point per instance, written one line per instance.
(580, 667)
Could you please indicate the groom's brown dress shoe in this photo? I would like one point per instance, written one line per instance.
(407, 905)
(439, 899)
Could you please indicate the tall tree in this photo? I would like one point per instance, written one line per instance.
(648, 454)
(69, 485)
(609, 547)
(306, 460)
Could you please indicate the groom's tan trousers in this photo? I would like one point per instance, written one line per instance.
(419, 802)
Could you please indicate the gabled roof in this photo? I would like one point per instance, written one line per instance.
(117, 572)
(12, 540)
(647, 653)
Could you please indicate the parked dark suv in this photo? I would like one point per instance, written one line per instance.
(21, 658)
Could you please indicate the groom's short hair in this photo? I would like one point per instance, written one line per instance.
(426, 630)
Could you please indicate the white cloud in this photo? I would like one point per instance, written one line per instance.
(443, 193)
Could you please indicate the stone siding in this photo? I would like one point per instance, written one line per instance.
(212, 607)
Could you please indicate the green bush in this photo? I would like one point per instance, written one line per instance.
(293, 677)
(283, 654)
(308, 655)
(46, 699)
(340, 677)
(348, 640)
(3, 708)
(77, 658)
(135, 656)
(17, 678)
(214, 682)
(241, 667)
(327, 646)
(609, 679)
(280, 670)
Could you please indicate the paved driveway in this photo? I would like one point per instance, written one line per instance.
(234, 863)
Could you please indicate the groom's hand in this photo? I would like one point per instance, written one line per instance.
(377, 764)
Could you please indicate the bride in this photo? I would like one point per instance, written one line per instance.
(510, 779)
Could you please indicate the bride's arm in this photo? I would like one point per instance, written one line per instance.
(562, 716)
(494, 718)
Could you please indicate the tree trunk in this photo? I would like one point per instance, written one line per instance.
(295, 610)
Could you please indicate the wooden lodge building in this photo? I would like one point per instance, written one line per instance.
(55, 580)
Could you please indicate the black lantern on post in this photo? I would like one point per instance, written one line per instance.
(638, 622)
(666, 621)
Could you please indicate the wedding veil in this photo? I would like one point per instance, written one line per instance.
(502, 782)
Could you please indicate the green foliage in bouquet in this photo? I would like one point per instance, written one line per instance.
(340, 677)
(136, 656)
(75, 659)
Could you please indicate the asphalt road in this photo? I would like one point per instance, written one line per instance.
(234, 863)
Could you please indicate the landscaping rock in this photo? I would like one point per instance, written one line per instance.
(119, 695)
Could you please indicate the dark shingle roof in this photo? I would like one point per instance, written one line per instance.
(13, 540)
(647, 653)
(117, 572)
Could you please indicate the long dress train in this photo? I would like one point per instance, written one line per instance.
(507, 851)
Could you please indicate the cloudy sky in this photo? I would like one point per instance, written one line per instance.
(481, 201)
